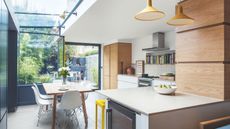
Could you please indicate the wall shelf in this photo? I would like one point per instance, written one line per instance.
(162, 52)
(166, 57)
(161, 64)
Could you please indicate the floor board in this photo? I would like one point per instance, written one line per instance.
(26, 117)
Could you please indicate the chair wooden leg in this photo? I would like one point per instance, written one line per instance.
(84, 109)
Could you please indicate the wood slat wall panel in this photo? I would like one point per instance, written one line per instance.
(205, 13)
(201, 45)
(227, 43)
(203, 49)
(201, 79)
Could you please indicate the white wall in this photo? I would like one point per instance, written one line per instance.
(146, 42)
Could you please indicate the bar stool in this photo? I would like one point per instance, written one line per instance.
(100, 103)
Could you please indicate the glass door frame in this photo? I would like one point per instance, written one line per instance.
(99, 56)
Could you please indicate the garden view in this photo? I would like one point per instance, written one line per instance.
(41, 55)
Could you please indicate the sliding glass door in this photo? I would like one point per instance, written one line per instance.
(84, 61)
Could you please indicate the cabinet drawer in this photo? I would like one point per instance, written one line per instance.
(124, 85)
(126, 78)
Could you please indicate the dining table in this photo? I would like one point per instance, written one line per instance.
(58, 89)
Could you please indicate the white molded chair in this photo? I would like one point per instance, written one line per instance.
(41, 95)
(42, 104)
(70, 101)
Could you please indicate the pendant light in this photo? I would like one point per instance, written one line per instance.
(149, 13)
(180, 19)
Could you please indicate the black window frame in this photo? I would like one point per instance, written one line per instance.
(99, 56)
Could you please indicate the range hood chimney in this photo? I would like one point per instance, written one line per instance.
(158, 40)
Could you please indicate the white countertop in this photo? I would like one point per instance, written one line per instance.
(145, 100)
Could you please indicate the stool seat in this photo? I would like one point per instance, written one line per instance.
(100, 102)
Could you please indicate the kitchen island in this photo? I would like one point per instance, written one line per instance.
(155, 111)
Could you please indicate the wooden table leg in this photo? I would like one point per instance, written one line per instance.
(54, 111)
(84, 109)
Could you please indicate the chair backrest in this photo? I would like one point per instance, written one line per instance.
(71, 100)
(219, 123)
(36, 94)
(36, 86)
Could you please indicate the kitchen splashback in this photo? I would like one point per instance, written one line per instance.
(159, 69)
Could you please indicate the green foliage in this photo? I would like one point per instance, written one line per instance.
(93, 52)
(73, 51)
(44, 78)
(64, 73)
(94, 72)
(38, 57)
(28, 70)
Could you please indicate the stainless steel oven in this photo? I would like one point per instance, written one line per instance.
(144, 82)
(120, 117)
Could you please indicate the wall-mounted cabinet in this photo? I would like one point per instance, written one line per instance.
(117, 57)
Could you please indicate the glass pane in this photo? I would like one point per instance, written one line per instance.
(83, 60)
(38, 59)
(37, 20)
(41, 13)
(3, 58)
(40, 30)
(61, 52)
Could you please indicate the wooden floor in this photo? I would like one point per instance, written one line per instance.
(26, 117)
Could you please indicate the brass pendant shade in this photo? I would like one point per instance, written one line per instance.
(180, 19)
(149, 13)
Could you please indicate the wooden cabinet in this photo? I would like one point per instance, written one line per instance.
(202, 49)
(205, 12)
(106, 82)
(201, 45)
(106, 59)
(117, 57)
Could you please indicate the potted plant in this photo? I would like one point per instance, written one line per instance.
(64, 72)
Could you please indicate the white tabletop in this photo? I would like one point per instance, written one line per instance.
(55, 88)
(145, 100)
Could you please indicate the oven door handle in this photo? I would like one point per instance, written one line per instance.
(144, 84)
(109, 118)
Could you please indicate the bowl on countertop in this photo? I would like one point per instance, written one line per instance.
(165, 89)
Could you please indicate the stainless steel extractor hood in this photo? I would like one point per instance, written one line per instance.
(158, 40)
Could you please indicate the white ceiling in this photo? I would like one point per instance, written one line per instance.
(109, 20)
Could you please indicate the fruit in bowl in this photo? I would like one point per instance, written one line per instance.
(165, 89)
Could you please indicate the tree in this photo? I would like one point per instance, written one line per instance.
(38, 57)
